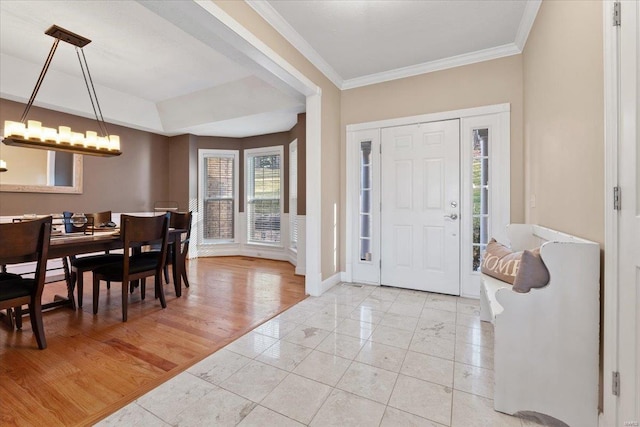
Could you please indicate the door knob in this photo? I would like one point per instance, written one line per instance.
(452, 216)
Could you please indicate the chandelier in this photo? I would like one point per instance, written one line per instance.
(31, 133)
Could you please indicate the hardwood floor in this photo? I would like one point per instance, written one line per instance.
(96, 364)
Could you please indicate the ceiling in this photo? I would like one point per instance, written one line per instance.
(164, 67)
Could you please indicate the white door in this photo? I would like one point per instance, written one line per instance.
(629, 219)
(420, 176)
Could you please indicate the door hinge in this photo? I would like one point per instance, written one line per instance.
(615, 383)
(617, 204)
(616, 14)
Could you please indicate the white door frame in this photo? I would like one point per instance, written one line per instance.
(500, 210)
(612, 285)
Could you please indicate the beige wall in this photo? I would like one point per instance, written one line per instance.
(131, 182)
(564, 118)
(486, 83)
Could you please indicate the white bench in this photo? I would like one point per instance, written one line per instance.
(546, 347)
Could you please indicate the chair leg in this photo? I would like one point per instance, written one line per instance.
(125, 300)
(96, 293)
(166, 273)
(143, 288)
(160, 290)
(35, 313)
(184, 274)
(108, 284)
(79, 281)
(17, 312)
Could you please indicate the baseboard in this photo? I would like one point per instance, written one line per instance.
(330, 282)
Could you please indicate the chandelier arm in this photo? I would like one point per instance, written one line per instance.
(45, 68)
(92, 94)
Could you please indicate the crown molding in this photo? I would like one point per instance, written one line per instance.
(269, 14)
(273, 18)
(528, 17)
(429, 67)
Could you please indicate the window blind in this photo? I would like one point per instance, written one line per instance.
(263, 197)
(219, 198)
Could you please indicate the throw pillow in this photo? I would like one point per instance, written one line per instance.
(500, 262)
(532, 272)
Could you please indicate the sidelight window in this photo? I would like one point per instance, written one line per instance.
(480, 193)
(365, 218)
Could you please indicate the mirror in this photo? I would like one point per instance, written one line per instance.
(40, 171)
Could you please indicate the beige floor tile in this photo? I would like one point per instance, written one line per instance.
(327, 322)
(341, 345)
(475, 411)
(434, 346)
(386, 293)
(169, 399)
(297, 397)
(396, 418)
(284, 355)
(437, 328)
(422, 398)
(251, 344)
(474, 380)
(399, 321)
(475, 355)
(382, 356)
(254, 381)
(472, 321)
(132, 415)
(261, 417)
(391, 336)
(428, 368)
(219, 407)
(474, 336)
(438, 315)
(440, 302)
(368, 382)
(307, 336)
(367, 314)
(346, 409)
(323, 367)
(355, 328)
(406, 308)
(376, 303)
(276, 328)
(219, 366)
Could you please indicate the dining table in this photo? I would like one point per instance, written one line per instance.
(100, 240)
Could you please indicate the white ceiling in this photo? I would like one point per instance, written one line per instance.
(163, 66)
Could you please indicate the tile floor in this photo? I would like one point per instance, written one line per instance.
(356, 356)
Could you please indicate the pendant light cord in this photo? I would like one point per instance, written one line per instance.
(40, 79)
(92, 92)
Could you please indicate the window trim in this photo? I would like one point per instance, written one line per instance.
(202, 155)
(262, 151)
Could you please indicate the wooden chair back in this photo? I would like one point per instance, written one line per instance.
(99, 218)
(182, 221)
(139, 231)
(26, 241)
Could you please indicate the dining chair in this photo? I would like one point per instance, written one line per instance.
(136, 232)
(179, 221)
(25, 241)
(80, 265)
